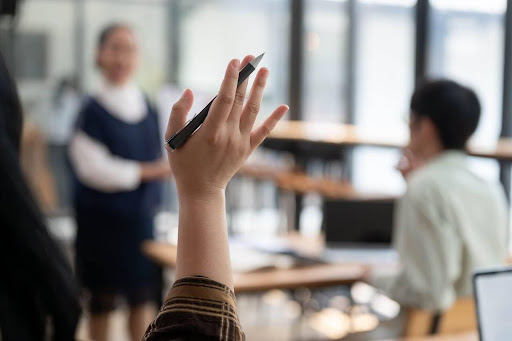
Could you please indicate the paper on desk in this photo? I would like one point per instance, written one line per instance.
(244, 259)
(363, 255)
(270, 244)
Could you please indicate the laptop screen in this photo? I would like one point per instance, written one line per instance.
(493, 293)
(367, 222)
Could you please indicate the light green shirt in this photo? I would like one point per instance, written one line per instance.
(448, 223)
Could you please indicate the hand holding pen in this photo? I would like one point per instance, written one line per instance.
(214, 153)
(182, 135)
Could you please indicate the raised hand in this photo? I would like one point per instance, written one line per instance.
(212, 155)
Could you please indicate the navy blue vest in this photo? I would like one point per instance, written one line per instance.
(139, 142)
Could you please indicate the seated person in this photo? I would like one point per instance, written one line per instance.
(450, 221)
(201, 304)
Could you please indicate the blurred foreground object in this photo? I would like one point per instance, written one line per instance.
(34, 162)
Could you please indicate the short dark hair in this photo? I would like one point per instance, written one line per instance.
(454, 109)
(107, 30)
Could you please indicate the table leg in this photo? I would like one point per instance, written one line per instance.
(298, 210)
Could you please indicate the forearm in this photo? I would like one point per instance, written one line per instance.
(203, 247)
(97, 168)
(153, 171)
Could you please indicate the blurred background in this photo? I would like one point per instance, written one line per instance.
(333, 61)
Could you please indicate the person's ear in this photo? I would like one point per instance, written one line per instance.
(429, 129)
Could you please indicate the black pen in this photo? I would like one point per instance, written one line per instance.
(182, 135)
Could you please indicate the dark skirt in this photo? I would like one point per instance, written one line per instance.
(109, 260)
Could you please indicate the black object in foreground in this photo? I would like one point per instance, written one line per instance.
(182, 135)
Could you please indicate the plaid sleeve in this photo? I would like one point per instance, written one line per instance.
(197, 308)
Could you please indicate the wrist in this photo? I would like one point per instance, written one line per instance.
(200, 194)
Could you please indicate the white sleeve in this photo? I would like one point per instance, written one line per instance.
(430, 254)
(97, 168)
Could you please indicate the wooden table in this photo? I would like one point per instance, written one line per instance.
(335, 134)
(459, 337)
(311, 276)
(340, 135)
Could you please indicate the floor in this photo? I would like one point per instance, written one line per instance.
(330, 314)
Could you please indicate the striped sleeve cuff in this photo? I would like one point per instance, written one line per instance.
(197, 307)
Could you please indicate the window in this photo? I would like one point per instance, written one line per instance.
(384, 62)
(384, 84)
(53, 38)
(214, 32)
(325, 58)
(466, 45)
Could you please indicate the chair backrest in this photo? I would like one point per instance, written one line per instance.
(34, 162)
(460, 317)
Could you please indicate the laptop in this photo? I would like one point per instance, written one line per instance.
(359, 231)
(493, 298)
(368, 222)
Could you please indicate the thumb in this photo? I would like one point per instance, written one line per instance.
(179, 113)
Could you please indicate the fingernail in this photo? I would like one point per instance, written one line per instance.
(265, 72)
(184, 94)
(235, 63)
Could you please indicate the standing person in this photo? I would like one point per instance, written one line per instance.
(117, 160)
(450, 221)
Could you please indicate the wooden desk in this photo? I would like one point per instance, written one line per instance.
(299, 182)
(340, 135)
(312, 276)
(501, 151)
(458, 337)
(335, 134)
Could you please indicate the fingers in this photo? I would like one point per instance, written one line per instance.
(258, 135)
(246, 61)
(179, 113)
(221, 107)
(236, 111)
(252, 107)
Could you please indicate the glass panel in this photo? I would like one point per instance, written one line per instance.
(467, 45)
(325, 58)
(216, 31)
(384, 84)
(44, 66)
(385, 63)
(48, 45)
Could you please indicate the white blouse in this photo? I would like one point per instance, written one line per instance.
(94, 165)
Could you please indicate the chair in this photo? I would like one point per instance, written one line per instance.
(460, 317)
(34, 163)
